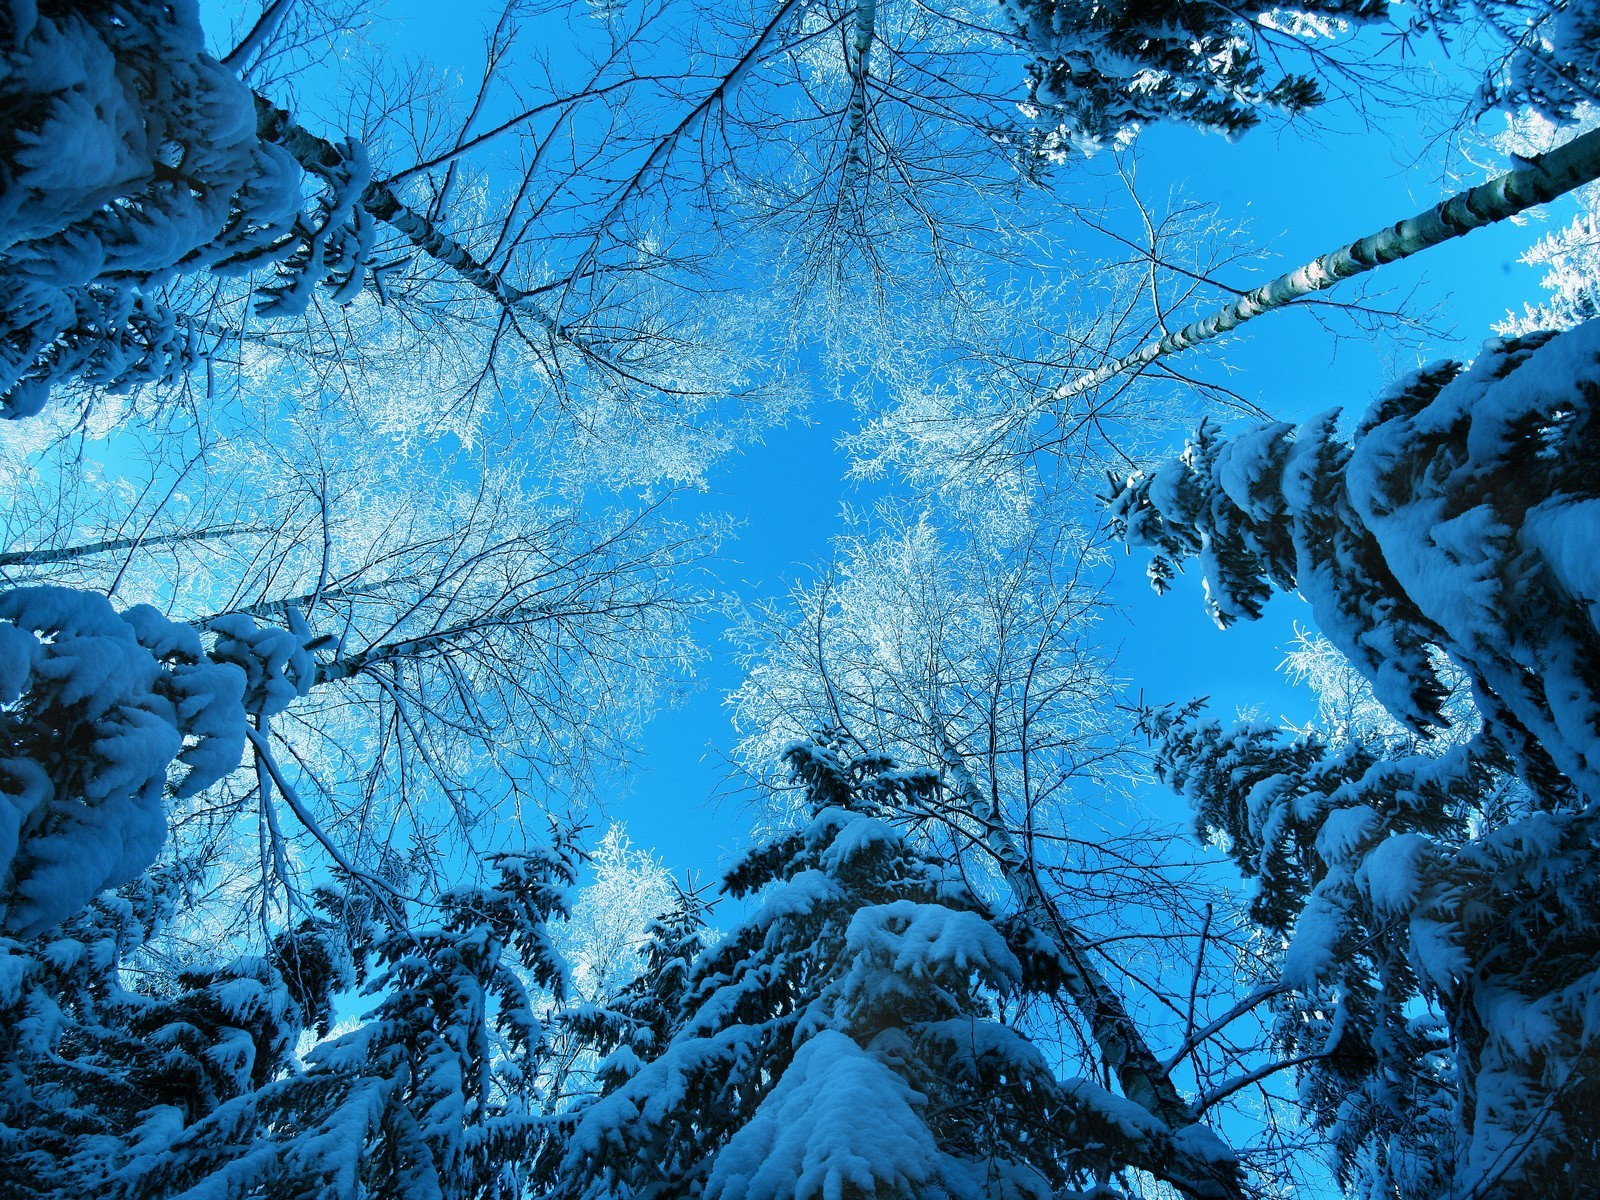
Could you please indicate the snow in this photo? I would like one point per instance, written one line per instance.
(1437, 950)
(809, 1139)
(278, 668)
(135, 160)
(1564, 533)
(135, 693)
(1249, 468)
(1460, 545)
(1130, 1120)
(1392, 875)
(19, 651)
(911, 942)
(1345, 831)
(971, 1048)
(795, 897)
(1314, 948)
(859, 838)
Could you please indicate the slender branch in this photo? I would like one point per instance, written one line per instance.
(259, 35)
(380, 889)
(1209, 1030)
(1219, 1094)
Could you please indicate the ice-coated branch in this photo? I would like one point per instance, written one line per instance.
(1542, 179)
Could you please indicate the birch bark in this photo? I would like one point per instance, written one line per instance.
(1541, 180)
(858, 58)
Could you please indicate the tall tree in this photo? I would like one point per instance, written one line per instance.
(972, 655)
(1400, 875)
(869, 978)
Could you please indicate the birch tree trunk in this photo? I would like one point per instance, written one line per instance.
(46, 556)
(858, 58)
(1541, 180)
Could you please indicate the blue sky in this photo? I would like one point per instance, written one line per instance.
(1303, 199)
(1304, 190)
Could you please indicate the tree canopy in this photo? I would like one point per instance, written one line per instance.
(372, 379)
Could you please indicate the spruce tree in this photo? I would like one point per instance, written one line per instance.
(1439, 950)
(1099, 71)
(433, 1096)
(650, 1010)
(1434, 897)
(850, 1038)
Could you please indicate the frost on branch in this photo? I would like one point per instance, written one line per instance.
(1463, 514)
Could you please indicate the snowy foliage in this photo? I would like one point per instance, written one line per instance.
(1100, 71)
(1432, 896)
(130, 158)
(1438, 952)
(1570, 256)
(867, 978)
(1549, 66)
(1462, 515)
(398, 400)
(433, 1094)
(98, 705)
(106, 714)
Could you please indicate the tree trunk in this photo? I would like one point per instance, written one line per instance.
(1138, 1070)
(40, 557)
(1544, 178)
(273, 124)
(858, 58)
